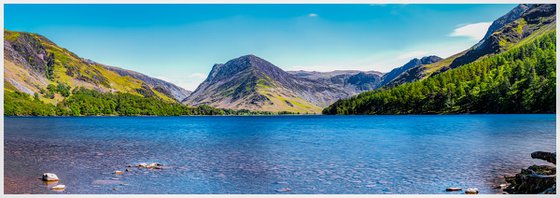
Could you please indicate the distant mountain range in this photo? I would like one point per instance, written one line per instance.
(34, 65)
(249, 82)
(503, 33)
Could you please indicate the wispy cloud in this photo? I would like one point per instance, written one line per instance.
(312, 15)
(474, 31)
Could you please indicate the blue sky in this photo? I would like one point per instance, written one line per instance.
(180, 43)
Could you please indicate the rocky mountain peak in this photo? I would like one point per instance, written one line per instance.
(430, 59)
(512, 15)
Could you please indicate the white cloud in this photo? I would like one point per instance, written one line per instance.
(474, 31)
(312, 15)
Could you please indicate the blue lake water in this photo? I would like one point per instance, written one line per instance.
(267, 154)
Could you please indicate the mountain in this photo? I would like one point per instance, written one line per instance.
(513, 70)
(35, 65)
(509, 17)
(521, 22)
(169, 89)
(351, 81)
(250, 82)
(389, 77)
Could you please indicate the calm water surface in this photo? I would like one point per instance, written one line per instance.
(307, 154)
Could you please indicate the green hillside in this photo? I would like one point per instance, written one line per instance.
(520, 80)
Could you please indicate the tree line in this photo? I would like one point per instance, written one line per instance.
(86, 102)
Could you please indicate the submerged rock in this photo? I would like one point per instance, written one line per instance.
(106, 182)
(49, 177)
(283, 190)
(471, 191)
(119, 172)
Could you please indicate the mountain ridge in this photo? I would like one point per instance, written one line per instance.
(510, 71)
(253, 83)
(33, 64)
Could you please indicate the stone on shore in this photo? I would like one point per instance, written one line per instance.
(551, 190)
(535, 179)
(471, 191)
(546, 156)
(150, 166)
(49, 177)
(58, 188)
(453, 189)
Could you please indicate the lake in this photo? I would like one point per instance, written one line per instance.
(271, 154)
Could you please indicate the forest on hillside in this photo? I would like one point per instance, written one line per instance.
(520, 80)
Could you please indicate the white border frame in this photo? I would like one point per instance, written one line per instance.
(260, 2)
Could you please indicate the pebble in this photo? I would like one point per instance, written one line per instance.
(453, 189)
(119, 172)
(471, 191)
(58, 188)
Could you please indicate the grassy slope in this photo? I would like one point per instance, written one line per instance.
(65, 61)
(519, 26)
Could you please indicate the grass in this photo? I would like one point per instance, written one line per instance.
(11, 36)
(434, 67)
(279, 102)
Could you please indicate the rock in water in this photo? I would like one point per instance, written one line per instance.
(546, 156)
(50, 177)
(536, 178)
(453, 189)
(471, 191)
(58, 188)
(532, 180)
(119, 172)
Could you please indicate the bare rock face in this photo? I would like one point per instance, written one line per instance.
(511, 28)
(28, 51)
(536, 178)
